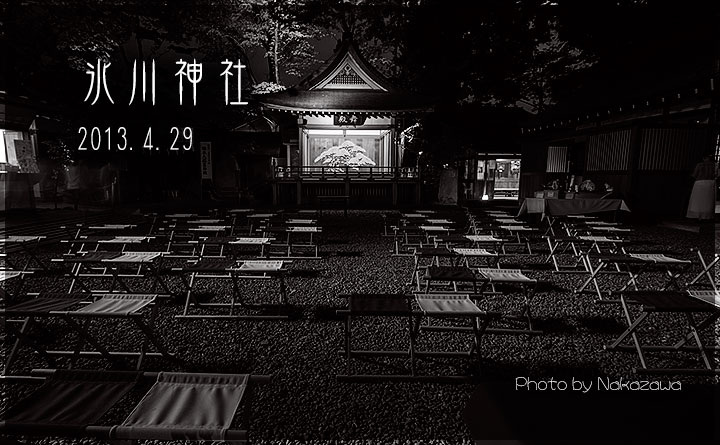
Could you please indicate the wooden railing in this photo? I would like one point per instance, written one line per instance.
(340, 173)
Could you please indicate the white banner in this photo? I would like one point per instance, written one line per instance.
(206, 160)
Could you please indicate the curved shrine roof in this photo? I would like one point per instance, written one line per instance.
(347, 83)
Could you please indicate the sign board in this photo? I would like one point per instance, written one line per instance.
(26, 156)
(206, 160)
(349, 119)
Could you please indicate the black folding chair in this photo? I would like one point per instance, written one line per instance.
(109, 306)
(688, 305)
(236, 271)
(438, 306)
(178, 406)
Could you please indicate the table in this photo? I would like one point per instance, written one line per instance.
(564, 207)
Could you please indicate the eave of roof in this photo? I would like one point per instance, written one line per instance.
(346, 101)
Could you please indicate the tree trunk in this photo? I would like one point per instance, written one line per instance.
(271, 68)
(275, 54)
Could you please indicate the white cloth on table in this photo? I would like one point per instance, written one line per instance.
(702, 200)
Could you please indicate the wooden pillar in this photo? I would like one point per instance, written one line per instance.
(347, 187)
(633, 160)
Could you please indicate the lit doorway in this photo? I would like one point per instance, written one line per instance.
(497, 177)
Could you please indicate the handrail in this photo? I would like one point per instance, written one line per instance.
(346, 172)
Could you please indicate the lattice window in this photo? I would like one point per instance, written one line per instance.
(347, 76)
(557, 159)
(608, 151)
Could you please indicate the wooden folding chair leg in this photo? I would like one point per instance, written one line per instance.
(189, 294)
(632, 327)
(348, 344)
(414, 330)
(22, 336)
(283, 289)
(706, 271)
(698, 341)
(698, 327)
(84, 334)
(150, 336)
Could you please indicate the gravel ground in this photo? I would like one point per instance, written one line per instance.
(305, 402)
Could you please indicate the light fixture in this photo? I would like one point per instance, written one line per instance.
(485, 197)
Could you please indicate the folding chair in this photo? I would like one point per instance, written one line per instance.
(101, 229)
(390, 220)
(204, 222)
(447, 307)
(450, 276)
(82, 266)
(497, 213)
(301, 222)
(580, 244)
(451, 240)
(497, 244)
(253, 242)
(84, 243)
(29, 246)
(239, 220)
(11, 275)
(236, 271)
(512, 277)
(504, 220)
(109, 306)
(178, 406)
(610, 229)
(439, 221)
(209, 230)
(633, 265)
(492, 259)
(522, 235)
(151, 261)
(30, 312)
(216, 247)
(708, 270)
(430, 230)
(687, 304)
(310, 243)
(433, 254)
(255, 219)
(180, 216)
(406, 237)
(106, 241)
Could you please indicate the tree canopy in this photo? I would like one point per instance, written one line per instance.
(533, 53)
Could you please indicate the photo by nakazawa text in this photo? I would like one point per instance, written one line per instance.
(602, 384)
(606, 384)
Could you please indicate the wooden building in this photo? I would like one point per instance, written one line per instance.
(644, 149)
(349, 119)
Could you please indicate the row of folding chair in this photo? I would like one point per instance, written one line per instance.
(84, 315)
(420, 228)
(502, 225)
(456, 279)
(178, 406)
